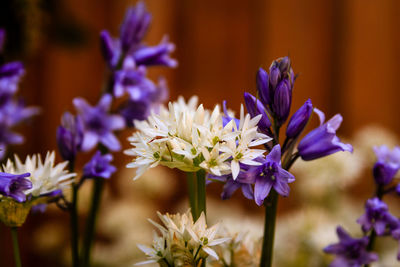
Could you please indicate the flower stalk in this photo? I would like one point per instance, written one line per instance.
(197, 192)
(17, 258)
(270, 204)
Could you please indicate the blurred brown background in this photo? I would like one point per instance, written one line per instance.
(346, 52)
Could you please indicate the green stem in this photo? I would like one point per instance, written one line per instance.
(74, 226)
(91, 222)
(269, 229)
(14, 234)
(197, 193)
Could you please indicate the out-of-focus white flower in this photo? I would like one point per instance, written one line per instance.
(182, 241)
(46, 177)
(188, 137)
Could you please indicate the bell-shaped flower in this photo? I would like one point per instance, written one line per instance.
(322, 141)
(255, 108)
(14, 185)
(69, 135)
(387, 164)
(99, 166)
(157, 55)
(299, 120)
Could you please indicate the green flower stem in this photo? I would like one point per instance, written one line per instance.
(14, 234)
(91, 222)
(197, 193)
(74, 226)
(270, 204)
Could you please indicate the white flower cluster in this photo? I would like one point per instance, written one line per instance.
(45, 176)
(188, 137)
(182, 242)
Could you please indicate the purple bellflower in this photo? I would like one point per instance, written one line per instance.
(270, 175)
(350, 252)
(134, 27)
(387, 164)
(69, 135)
(14, 185)
(255, 107)
(99, 166)
(156, 55)
(322, 141)
(110, 49)
(377, 216)
(299, 120)
(99, 124)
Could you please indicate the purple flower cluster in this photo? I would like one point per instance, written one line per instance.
(12, 108)
(377, 220)
(275, 97)
(128, 57)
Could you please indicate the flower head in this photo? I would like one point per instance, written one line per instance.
(99, 166)
(387, 164)
(99, 124)
(188, 137)
(270, 175)
(14, 185)
(69, 135)
(322, 141)
(350, 252)
(182, 240)
(46, 177)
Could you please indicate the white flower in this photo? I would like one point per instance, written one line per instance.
(45, 176)
(182, 240)
(188, 137)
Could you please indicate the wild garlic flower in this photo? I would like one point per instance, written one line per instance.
(188, 137)
(46, 177)
(182, 242)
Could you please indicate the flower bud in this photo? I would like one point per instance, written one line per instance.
(262, 81)
(274, 76)
(299, 120)
(282, 101)
(255, 107)
(384, 172)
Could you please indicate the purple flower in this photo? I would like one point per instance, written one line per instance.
(350, 252)
(10, 75)
(227, 117)
(322, 141)
(299, 120)
(282, 101)
(69, 136)
(156, 55)
(14, 185)
(376, 216)
(99, 124)
(134, 27)
(270, 175)
(262, 80)
(255, 107)
(133, 81)
(387, 164)
(110, 49)
(99, 166)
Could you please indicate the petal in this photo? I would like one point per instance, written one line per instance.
(110, 141)
(261, 189)
(89, 141)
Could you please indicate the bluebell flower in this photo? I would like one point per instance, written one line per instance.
(376, 216)
(270, 175)
(322, 141)
(299, 120)
(110, 49)
(350, 252)
(14, 185)
(134, 27)
(99, 124)
(262, 81)
(387, 164)
(99, 166)
(69, 136)
(255, 107)
(156, 55)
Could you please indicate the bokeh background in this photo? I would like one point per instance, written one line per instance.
(345, 52)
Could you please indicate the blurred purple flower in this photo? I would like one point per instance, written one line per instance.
(227, 117)
(69, 136)
(10, 75)
(322, 141)
(99, 166)
(350, 252)
(387, 164)
(156, 55)
(110, 48)
(376, 216)
(14, 185)
(255, 107)
(134, 27)
(270, 175)
(99, 124)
